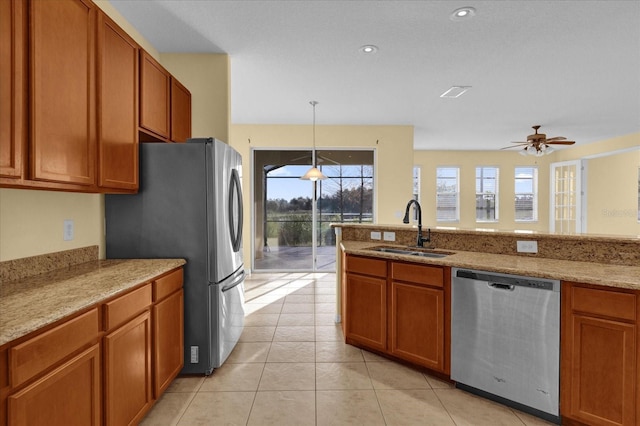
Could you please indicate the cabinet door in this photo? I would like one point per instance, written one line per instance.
(62, 83)
(602, 360)
(417, 324)
(168, 350)
(127, 353)
(118, 107)
(13, 74)
(155, 96)
(366, 311)
(69, 395)
(180, 112)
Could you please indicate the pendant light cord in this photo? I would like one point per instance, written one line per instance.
(313, 104)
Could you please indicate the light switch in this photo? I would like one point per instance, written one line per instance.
(389, 236)
(376, 235)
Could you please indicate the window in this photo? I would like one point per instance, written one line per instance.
(526, 190)
(447, 191)
(416, 189)
(486, 194)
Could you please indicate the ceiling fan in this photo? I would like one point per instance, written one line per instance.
(538, 144)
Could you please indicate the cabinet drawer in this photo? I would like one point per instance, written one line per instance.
(164, 286)
(34, 356)
(604, 302)
(421, 274)
(366, 266)
(124, 307)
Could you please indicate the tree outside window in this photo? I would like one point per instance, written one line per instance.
(486, 194)
(526, 194)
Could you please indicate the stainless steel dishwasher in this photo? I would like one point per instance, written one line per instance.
(505, 339)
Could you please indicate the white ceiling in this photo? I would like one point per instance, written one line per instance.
(571, 66)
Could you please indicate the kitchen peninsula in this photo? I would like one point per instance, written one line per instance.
(385, 293)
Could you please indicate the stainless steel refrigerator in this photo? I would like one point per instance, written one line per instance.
(189, 206)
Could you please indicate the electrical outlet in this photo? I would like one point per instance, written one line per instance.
(527, 246)
(389, 236)
(68, 230)
(194, 354)
(376, 235)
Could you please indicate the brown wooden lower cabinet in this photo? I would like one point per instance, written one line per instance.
(417, 324)
(600, 377)
(127, 371)
(366, 311)
(99, 366)
(168, 333)
(69, 395)
(398, 308)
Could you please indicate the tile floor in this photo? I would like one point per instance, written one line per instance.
(291, 367)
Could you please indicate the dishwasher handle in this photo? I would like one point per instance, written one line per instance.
(500, 286)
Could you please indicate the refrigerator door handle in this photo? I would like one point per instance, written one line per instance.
(239, 280)
(235, 194)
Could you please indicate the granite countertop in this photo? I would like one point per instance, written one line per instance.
(620, 276)
(29, 304)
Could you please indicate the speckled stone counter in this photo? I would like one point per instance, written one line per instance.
(31, 303)
(608, 249)
(621, 276)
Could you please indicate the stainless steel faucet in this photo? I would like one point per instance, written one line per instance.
(421, 240)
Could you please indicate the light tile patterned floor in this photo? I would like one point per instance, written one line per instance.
(291, 367)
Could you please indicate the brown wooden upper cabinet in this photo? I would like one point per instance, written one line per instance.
(69, 110)
(13, 86)
(165, 104)
(62, 91)
(118, 107)
(155, 97)
(180, 112)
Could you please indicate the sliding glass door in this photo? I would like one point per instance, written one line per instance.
(287, 210)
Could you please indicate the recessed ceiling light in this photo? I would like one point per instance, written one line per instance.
(369, 48)
(455, 91)
(462, 14)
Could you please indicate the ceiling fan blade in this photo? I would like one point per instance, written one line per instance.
(560, 142)
(557, 138)
(515, 146)
(519, 142)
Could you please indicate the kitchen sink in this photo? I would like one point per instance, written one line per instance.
(413, 251)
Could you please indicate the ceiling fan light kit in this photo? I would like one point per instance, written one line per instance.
(537, 144)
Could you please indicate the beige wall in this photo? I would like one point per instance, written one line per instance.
(612, 202)
(612, 173)
(393, 147)
(207, 78)
(467, 161)
(611, 185)
(31, 222)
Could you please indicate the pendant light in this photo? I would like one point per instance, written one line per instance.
(313, 174)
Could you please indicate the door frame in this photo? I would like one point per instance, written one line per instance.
(314, 193)
(581, 191)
